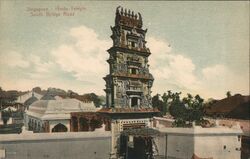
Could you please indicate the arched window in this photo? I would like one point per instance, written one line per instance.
(60, 128)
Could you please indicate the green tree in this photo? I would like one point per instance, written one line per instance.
(188, 110)
(5, 116)
(93, 97)
(157, 102)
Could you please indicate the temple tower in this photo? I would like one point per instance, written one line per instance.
(129, 82)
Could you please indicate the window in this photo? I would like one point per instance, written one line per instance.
(133, 71)
(133, 44)
(134, 101)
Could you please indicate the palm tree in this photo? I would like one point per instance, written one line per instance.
(228, 94)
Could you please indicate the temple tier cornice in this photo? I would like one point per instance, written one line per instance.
(134, 76)
(143, 52)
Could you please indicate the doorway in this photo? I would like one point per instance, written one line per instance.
(140, 148)
(60, 128)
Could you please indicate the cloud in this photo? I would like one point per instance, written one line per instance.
(173, 71)
(218, 79)
(13, 59)
(85, 57)
(80, 64)
(169, 69)
(77, 65)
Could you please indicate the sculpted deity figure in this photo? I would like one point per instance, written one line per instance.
(116, 35)
(140, 41)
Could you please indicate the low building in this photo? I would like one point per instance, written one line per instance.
(200, 143)
(25, 100)
(54, 115)
(162, 122)
(245, 127)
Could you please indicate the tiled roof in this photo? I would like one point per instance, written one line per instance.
(234, 106)
(58, 109)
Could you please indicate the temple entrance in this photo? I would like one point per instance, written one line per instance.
(60, 128)
(139, 148)
(138, 144)
(134, 101)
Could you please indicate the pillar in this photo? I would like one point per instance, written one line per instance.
(89, 121)
(78, 124)
(71, 125)
(113, 154)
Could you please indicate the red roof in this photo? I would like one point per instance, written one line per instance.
(233, 106)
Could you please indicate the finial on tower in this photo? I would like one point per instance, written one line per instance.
(128, 17)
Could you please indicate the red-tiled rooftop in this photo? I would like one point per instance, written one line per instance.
(234, 107)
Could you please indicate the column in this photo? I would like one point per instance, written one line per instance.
(89, 121)
(78, 124)
(113, 140)
(109, 102)
(130, 102)
(71, 124)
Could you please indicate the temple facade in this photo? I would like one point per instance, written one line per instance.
(128, 84)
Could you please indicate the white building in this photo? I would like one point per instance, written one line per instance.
(54, 115)
(28, 96)
(27, 99)
(200, 143)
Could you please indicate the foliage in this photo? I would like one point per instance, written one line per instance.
(185, 111)
(169, 98)
(95, 123)
(93, 97)
(228, 94)
(189, 109)
(5, 116)
(8, 97)
(164, 104)
(158, 103)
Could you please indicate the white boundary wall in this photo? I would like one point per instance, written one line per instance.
(216, 143)
(70, 145)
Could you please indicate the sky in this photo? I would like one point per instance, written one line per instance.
(197, 47)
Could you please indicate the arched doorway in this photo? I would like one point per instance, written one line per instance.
(60, 128)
